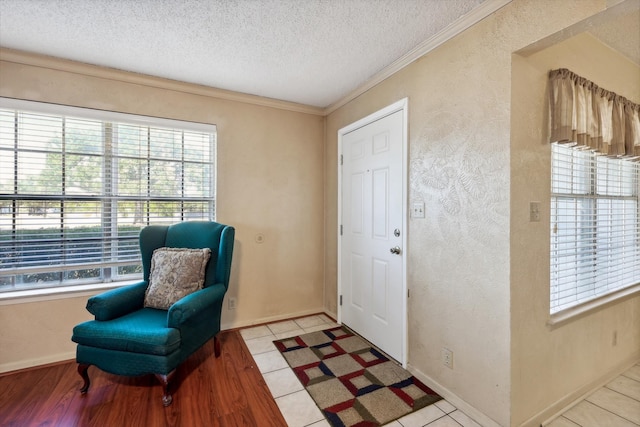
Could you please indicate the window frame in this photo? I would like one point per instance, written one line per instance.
(106, 193)
(591, 193)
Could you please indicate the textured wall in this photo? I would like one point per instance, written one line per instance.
(553, 366)
(459, 266)
(476, 266)
(269, 181)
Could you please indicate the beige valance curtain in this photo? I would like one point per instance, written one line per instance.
(592, 117)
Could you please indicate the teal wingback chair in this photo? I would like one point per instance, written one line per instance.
(129, 339)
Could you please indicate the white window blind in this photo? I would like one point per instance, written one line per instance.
(77, 185)
(595, 226)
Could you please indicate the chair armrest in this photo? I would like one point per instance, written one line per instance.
(117, 302)
(193, 304)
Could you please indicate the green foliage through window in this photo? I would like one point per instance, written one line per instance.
(75, 190)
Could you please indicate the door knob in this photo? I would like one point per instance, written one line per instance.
(396, 250)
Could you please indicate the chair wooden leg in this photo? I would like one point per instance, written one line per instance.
(166, 380)
(83, 371)
(216, 346)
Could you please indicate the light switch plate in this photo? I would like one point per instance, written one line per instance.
(534, 212)
(417, 210)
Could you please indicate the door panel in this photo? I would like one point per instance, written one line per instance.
(357, 204)
(357, 271)
(371, 275)
(380, 287)
(380, 212)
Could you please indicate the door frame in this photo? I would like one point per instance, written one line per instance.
(403, 106)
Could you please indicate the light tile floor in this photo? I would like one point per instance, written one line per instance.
(615, 405)
(296, 405)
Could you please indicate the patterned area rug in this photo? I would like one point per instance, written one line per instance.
(352, 382)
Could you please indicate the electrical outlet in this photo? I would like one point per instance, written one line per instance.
(447, 358)
(614, 339)
(231, 303)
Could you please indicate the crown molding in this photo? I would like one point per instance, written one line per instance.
(476, 15)
(59, 64)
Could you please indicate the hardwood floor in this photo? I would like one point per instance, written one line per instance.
(227, 391)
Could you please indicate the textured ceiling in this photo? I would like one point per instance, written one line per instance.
(621, 32)
(312, 52)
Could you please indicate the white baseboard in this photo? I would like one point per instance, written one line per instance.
(556, 409)
(477, 415)
(269, 319)
(549, 413)
(331, 315)
(37, 361)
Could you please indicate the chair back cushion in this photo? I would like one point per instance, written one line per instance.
(175, 273)
(193, 235)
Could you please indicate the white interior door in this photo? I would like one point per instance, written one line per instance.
(371, 267)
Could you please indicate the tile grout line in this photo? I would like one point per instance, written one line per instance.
(616, 392)
(607, 410)
(294, 392)
(628, 377)
(289, 394)
(571, 421)
(274, 370)
(430, 422)
(622, 394)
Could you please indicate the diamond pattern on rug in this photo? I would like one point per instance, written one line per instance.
(353, 383)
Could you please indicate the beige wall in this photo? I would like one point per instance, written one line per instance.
(551, 367)
(477, 269)
(269, 181)
(464, 262)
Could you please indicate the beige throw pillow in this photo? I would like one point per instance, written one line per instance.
(175, 273)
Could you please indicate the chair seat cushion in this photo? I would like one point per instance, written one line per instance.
(142, 331)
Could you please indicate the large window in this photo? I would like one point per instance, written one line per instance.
(595, 226)
(76, 187)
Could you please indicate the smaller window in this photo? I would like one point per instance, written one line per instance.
(595, 226)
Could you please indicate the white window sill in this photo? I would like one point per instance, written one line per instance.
(565, 316)
(60, 292)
